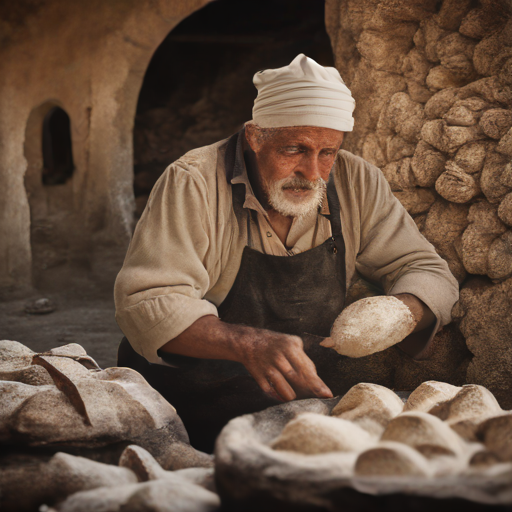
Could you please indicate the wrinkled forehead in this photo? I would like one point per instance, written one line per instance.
(309, 135)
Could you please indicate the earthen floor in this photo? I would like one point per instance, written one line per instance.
(84, 314)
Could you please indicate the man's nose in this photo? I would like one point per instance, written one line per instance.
(310, 167)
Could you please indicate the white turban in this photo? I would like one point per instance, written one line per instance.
(304, 93)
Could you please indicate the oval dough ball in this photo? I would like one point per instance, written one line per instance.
(370, 406)
(470, 407)
(497, 435)
(312, 433)
(425, 433)
(390, 458)
(430, 394)
(370, 325)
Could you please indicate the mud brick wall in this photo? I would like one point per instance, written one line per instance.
(433, 88)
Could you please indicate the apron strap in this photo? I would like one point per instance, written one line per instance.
(334, 208)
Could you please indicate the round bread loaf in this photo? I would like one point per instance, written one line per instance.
(370, 325)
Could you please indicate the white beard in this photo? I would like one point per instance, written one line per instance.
(295, 207)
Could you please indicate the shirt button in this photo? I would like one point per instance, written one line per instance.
(269, 234)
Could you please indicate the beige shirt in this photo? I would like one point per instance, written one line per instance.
(187, 246)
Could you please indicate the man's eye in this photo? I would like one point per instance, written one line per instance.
(292, 149)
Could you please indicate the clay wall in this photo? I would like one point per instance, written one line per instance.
(433, 88)
(89, 58)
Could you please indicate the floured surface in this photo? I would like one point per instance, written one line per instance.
(416, 449)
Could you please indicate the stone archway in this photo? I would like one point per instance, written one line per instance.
(198, 87)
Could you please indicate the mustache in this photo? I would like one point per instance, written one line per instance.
(298, 183)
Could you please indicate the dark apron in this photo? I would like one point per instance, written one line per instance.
(289, 294)
(301, 295)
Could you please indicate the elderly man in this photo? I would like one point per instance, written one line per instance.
(248, 245)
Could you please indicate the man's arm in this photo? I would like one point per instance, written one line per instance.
(277, 361)
(159, 291)
(159, 294)
(395, 254)
(421, 313)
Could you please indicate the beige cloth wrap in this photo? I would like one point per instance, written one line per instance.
(304, 93)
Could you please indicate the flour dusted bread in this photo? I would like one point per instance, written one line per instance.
(425, 433)
(370, 406)
(430, 394)
(496, 433)
(370, 325)
(390, 458)
(470, 407)
(312, 433)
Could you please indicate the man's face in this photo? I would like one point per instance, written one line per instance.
(294, 165)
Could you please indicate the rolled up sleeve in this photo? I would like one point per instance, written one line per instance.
(160, 288)
(395, 254)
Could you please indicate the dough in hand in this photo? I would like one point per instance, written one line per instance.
(370, 325)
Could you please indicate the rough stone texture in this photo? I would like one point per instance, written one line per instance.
(455, 83)
(484, 227)
(470, 157)
(496, 122)
(485, 315)
(505, 145)
(505, 209)
(490, 179)
(423, 450)
(500, 257)
(444, 226)
(427, 164)
(416, 200)
(88, 58)
(399, 174)
(447, 138)
(440, 103)
(457, 186)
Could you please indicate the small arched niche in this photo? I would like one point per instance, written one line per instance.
(49, 187)
(57, 152)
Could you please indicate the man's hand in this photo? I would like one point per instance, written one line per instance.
(280, 366)
(277, 361)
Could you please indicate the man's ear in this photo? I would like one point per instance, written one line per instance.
(251, 134)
